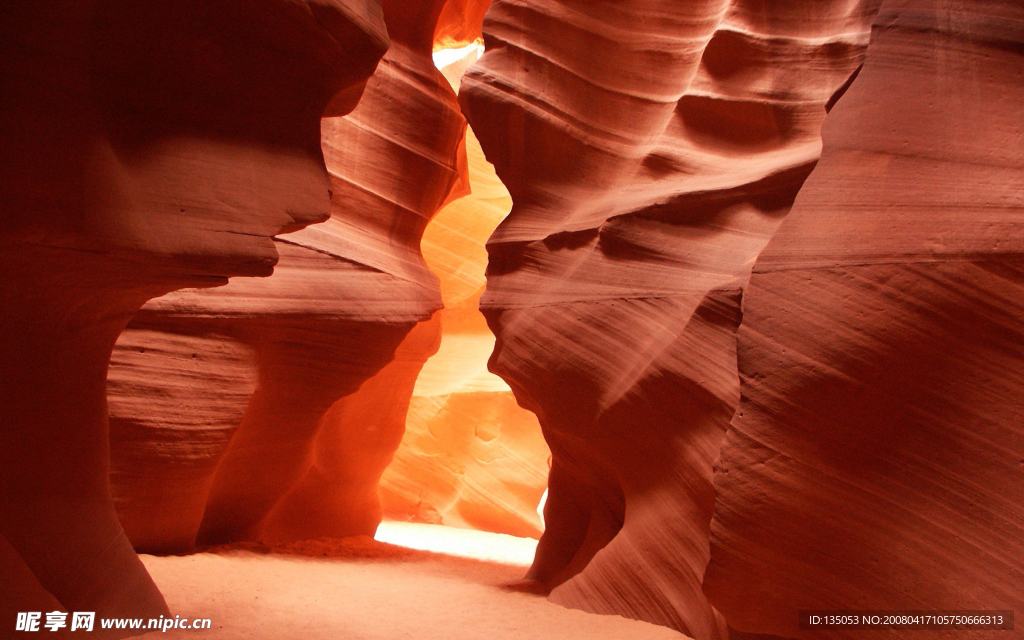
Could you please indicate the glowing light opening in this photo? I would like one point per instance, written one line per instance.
(445, 57)
(468, 354)
(462, 543)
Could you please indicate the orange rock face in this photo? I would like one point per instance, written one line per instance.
(738, 412)
(651, 149)
(337, 496)
(875, 461)
(459, 24)
(342, 299)
(322, 327)
(147, 147)
(471, 456)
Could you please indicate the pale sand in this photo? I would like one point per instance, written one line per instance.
(361, 589)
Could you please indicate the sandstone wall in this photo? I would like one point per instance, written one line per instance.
(147, 147)
(471, 456)
(651, 149)
(877, 457)
(342, 299)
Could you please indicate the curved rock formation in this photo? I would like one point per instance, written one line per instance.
(471, 457)
(651, 149)
(175, 399)
(131, 169)
(459, 24)
(344, 296)
(877, 457)
(338, 495)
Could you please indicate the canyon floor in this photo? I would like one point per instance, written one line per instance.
(424, 583)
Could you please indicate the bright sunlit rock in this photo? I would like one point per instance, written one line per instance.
(445, 57)
(464, 543)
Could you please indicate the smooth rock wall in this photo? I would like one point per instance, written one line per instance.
(877, 457)
(342, 299)
(651, 149)
(148, 147)
(471, 457)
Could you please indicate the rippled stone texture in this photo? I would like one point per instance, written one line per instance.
(471, 456)
(147, 147)
(343, 297)
(459, 23)
(877, 457)
(651, 149)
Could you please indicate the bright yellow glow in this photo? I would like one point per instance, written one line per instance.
(471, 457)
(460, 366)
(445, 57)
(464, 543)
(540, 507)
(453, 62)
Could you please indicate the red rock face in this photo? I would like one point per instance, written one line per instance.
(651, 149)
(875, 461)
(459, 24)
(338, 495)
(471, 457)
(343, 297)
(174, 400)
(132, 170)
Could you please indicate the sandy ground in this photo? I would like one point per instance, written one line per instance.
(361, 589)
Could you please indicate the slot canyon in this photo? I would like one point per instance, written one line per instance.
(512, 319)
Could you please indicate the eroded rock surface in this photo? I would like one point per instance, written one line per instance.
(651, 149)
(344, 296)
(877, 457)
(147, 147)
(471, 456)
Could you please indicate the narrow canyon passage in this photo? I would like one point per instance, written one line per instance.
(470, 457)
(461, 500)
(512, 319)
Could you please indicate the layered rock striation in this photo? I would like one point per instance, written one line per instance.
(471, 457)
(132, 170)
(877, 457)
(651, 149)
(266, 456)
